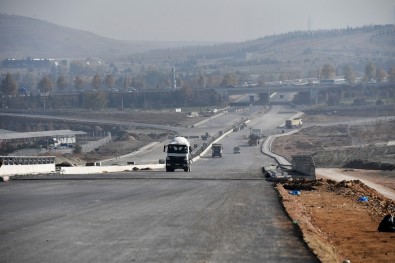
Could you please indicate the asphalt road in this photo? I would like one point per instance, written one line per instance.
(222, 211)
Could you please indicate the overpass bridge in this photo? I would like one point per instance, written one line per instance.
(310, 92)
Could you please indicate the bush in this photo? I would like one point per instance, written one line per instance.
(77, 149)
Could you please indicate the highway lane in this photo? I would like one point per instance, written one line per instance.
(221, 211)
(147, 220)
(267, 122)
(212, 126)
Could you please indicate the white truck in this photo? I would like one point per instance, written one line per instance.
(178, 154)
(216, 150)
(293, 123)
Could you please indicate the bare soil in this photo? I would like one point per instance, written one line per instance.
(341, 145)
(334, 224)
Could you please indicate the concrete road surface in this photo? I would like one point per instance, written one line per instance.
(146, 220)
(222, 211)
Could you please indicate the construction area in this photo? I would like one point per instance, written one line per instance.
(338, 214)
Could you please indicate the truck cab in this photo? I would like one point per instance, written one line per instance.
(178, 154)
(216, 150)
(255, 136)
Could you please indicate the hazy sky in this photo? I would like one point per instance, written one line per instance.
(202, 20)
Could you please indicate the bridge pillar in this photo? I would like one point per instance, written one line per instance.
(313, 96)
(264, 98)
(252, 99)
(305, 97)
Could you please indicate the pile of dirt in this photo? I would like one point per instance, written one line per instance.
(361, 164)
(370, 157)
(339, 221)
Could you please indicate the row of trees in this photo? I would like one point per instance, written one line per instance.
(100, 100)
(371, 73)
(150, 79)
(154, 79)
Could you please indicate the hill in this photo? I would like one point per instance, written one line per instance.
(22, 37)
(289, 52)
(299, 53)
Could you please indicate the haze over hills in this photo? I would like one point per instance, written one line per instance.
(23, 37)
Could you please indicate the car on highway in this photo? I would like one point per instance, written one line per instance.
(236, 150)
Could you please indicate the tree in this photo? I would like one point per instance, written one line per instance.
(45, 84)
(328, 72)
(138, 82)
(9, 85)
(61, 83)
(78, 83)
(202, 81)
(77, 67)
(349, 74)
(96, 82)
(214, 80)
(77, 149)
(261, 80)
(283, 76)
(179, 83)
(370, 72)
(95, 100)
(110, 81)
(154, 78)
(187, 93)
(125, 83)
(380, 75)
(229, 80)
(391, 75)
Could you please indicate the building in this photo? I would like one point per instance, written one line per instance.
(44, 139)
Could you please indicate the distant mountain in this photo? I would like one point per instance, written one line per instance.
(293, 53)
(22, 37)
(360, 40)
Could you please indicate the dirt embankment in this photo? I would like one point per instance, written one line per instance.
(335, 224)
